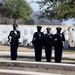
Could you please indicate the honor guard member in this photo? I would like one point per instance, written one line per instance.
(58, 44)
(48, 43)
(13, 38)
(38, 43)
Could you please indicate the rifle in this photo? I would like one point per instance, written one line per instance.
(63, 32)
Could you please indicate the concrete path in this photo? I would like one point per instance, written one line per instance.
(31, 54)
(17, 72)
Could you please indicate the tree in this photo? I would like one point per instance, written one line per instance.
(66, 11)
(57, 9)
(29, 22)
(15, 9)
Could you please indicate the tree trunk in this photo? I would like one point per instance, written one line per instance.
(14, 21)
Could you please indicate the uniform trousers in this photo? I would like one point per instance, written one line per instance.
(13, 50)
(58, 54)
(48, 53)
(38, 52)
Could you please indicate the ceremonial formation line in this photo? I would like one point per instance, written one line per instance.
(28, 31)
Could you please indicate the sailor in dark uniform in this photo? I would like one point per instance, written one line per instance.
(38, 43)
(48, 43)
(13, 38)
(58, 44)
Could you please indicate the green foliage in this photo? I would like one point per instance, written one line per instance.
(29, 22)
(15, 9)
(42, 3)
(61, 9)
(66, 11)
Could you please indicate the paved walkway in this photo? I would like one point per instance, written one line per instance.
(17, 72)
(31, 54)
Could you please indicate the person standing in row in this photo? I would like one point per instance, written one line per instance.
(48, 44)
(13, 38)
(58, 44)
(38, 43)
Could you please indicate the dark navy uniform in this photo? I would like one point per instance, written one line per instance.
(14, 43)
(38, 43)
(48, 43)
(58, 44)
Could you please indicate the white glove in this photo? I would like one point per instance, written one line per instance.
(15, 32)
(9, 39)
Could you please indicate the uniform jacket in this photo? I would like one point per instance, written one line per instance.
(48, 40)
(14, 37)
(38, 38)
(58, 40)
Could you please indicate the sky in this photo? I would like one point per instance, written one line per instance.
(33, 5)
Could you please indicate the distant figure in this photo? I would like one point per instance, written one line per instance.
(13, 38)
(38, 43)
(48, 43)
(72, 32)
(58, 44)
